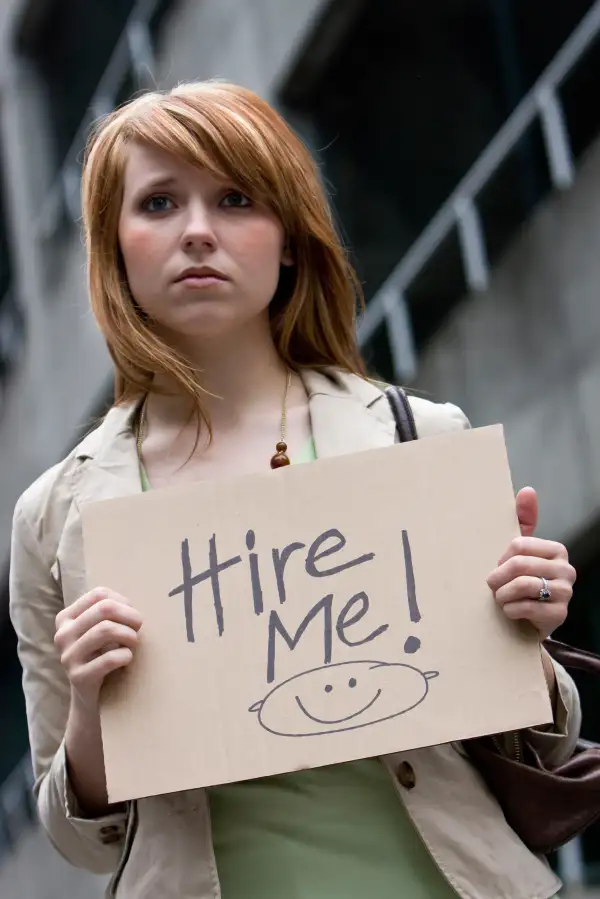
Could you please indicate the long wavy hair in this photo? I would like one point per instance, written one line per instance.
(231, 132)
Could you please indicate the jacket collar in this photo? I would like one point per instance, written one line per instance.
(348, 414)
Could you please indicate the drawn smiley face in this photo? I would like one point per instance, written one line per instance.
(342, 697)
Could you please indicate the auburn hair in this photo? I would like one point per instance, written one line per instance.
(230, 131)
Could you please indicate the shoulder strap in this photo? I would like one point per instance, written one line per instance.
(403, 416)
(571, 657)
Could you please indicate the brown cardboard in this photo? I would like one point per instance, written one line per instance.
(424, 524)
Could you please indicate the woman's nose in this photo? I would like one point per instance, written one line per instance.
(198, 228)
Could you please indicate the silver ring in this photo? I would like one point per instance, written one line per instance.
(545, 592)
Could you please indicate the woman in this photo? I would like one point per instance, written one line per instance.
(228, 308)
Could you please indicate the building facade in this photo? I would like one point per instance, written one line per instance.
(461, 144)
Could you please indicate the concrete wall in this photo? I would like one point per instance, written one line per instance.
(525, 353)
(248, 43)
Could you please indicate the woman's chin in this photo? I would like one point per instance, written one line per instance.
(207, 324)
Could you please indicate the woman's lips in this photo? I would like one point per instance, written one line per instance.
(200, 281)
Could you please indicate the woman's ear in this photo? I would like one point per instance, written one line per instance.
(287, 258)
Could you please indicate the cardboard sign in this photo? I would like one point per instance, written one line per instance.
(313, 615)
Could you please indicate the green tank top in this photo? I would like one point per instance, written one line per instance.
(337, 832)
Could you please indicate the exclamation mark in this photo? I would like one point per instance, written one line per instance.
(412, 644)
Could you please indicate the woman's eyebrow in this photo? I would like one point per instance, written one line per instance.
(158, 183)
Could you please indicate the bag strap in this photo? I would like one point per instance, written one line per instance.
(571, 657)
(403, 415)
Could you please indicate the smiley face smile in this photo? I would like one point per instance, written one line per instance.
(338, 720)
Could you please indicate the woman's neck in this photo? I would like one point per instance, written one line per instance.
(243, 377)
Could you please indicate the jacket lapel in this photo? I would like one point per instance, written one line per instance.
(348, 414)
(107, 467)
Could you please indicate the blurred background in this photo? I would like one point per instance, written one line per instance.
(460, 141)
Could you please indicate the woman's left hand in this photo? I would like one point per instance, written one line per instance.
(518, 580)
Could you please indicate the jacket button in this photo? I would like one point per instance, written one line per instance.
(406, 775)
(111, 838)
(109, 828)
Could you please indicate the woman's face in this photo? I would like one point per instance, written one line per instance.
(201, 258)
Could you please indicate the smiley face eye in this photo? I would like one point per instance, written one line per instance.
(352, 682)
(328, 688)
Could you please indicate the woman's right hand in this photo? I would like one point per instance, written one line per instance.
(95, 635)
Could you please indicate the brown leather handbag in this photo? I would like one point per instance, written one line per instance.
(545, 807)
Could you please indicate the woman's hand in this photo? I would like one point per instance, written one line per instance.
(526, 567)
(95, 635)
(518, 580)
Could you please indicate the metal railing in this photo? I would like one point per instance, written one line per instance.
(133, 54)
(460, 211)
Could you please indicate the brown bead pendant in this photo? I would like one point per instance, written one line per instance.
(280, 459)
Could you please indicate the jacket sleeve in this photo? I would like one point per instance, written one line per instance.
(556, 743)
(35, 600)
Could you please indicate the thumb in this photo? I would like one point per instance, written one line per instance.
(527, 511)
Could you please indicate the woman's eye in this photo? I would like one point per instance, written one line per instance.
(158, 203)
(237, 199)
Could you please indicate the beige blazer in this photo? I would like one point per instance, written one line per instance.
(160, 847)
